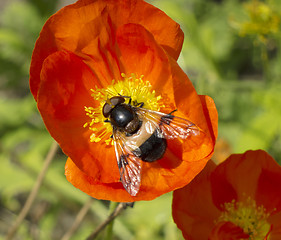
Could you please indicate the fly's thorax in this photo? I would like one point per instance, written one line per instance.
(138, 138)
(121, 115)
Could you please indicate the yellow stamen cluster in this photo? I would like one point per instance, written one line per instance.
(133, 87)
(247, 215)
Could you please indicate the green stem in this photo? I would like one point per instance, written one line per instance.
(120, 207)
(109, 230)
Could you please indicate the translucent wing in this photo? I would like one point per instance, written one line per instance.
(132, 149)
(129, 165)
(171, 126)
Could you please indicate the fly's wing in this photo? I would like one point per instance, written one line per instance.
(171, 126)
(129, 165)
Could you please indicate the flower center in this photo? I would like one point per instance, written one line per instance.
(247, 215)
(136, 88)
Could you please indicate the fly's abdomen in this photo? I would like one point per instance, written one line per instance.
(153, 148)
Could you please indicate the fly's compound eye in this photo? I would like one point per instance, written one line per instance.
(106, 110)
(114, 101)
(117, 100)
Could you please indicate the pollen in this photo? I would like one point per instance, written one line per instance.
(247, 215)
(131, 87)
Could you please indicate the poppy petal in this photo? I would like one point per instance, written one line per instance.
(252, 177)
(193, 211)
(268, 191)
(95, 188)
(258, 174)
(227, 231)
(227, 186)
(141, 54)
(275, 231)
(64, 91)
(83, 28)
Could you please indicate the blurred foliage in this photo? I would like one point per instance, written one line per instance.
(231, 52)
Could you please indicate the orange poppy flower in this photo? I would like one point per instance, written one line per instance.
(238, 199)
(92, 51)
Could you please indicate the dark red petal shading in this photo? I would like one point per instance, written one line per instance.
(275, 221)
(227, 231)
(222, 190)
(193, 209)
(236, 178)
(269, 182)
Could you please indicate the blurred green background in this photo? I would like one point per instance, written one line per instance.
(231, 53)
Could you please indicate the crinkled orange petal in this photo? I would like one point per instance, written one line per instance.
(227, 231)
(64, 91)
(86, 27)
(193, 211)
